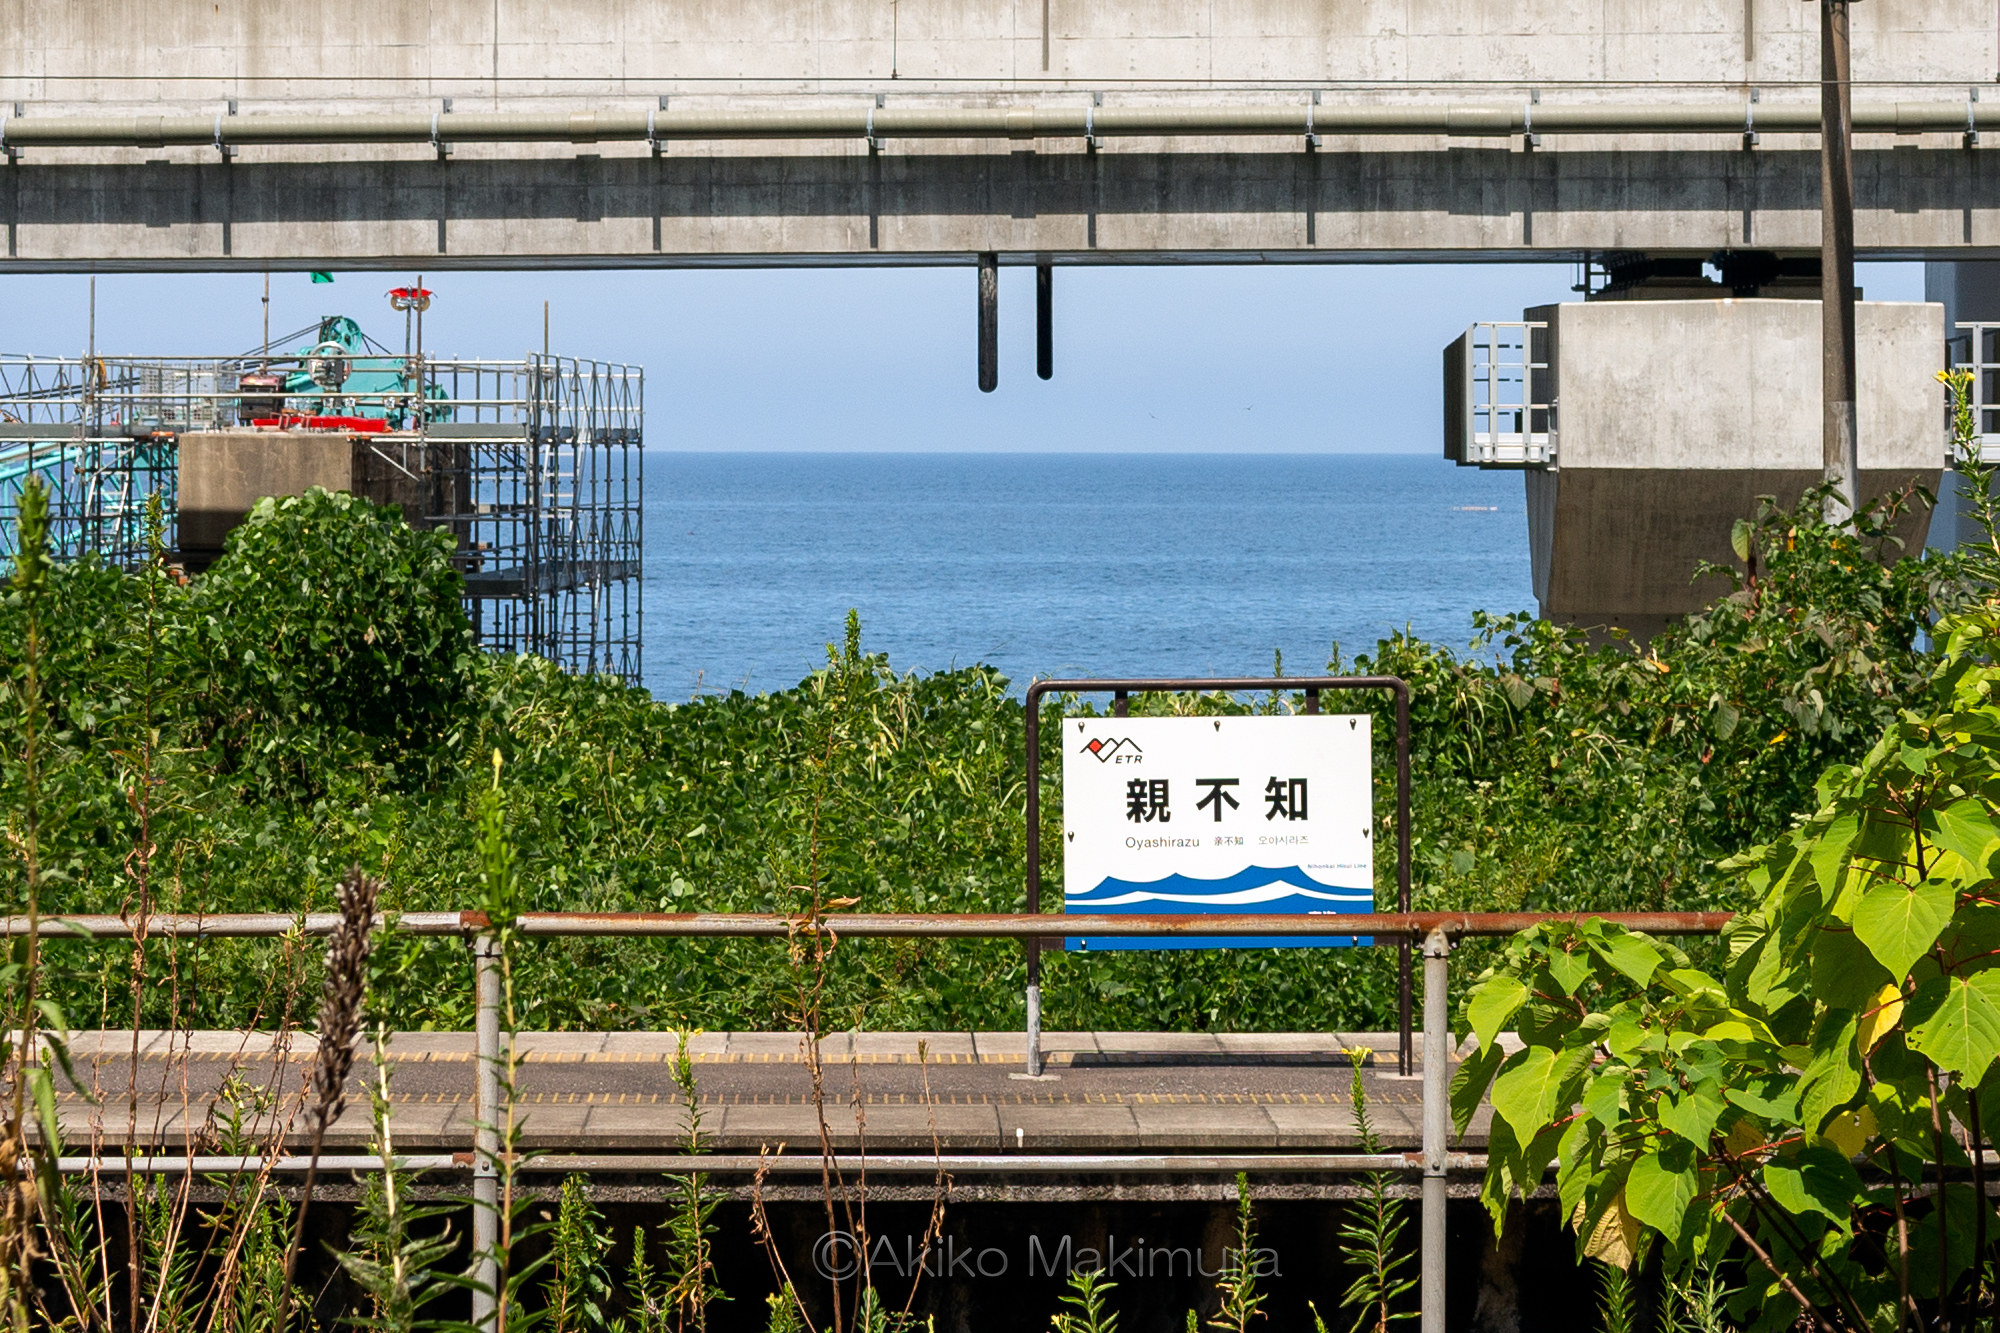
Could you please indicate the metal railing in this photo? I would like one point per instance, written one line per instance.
(1500, 409)
(1434, 932)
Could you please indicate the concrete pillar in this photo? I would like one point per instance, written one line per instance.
(1968, 290)
(1677, 415)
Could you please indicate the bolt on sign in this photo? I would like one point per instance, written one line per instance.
(1237, 815)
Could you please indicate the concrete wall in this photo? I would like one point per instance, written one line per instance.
(1675, 416)
(1138, 200)
(223, 474)
(105, 54)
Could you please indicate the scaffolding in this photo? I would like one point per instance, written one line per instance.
(535, 467)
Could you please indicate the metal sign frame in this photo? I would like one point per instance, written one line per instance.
(1121, 692)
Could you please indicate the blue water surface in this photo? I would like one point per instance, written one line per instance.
(1064, 564)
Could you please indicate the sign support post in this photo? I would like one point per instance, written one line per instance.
(1121, 690)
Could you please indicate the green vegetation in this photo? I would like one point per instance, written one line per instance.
(1242, 1264)
(1371, 1235)
(1854, 1018)
(1088, 1290)
(1814, 1109)
(313, 702)
(310, 723)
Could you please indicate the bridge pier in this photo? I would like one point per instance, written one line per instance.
(1646, 427)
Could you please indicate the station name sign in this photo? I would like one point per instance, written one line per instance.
(1234, 815)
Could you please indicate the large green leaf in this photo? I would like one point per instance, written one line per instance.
(1692, 1115)
(1962, 1032)
(1574, 1164)
(1898, 924)
(1633, 955)
(1497, 1186)
(1966, 827)
(1493, 1007)
(1525, 1093)
(1658, 1194)
(1603, 1096)
(1628, 1037)
(1781, 1109)
(1514, 1169)
(1468, 1085)
(1570, 969)
(1773, 982)
(1829, 851)
(1834, 1074)
(1844, 974)
(1816, 1180)
(1886, 836)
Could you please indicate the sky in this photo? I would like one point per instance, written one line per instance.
(1229, 359)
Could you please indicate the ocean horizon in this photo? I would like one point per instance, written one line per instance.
(1074, 564)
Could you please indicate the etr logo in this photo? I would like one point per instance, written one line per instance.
(1120, 751)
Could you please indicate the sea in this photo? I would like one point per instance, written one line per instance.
(1064, 564)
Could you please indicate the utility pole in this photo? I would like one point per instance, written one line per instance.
(1836, 260)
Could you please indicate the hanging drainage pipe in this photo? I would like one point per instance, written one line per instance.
(1042, 122)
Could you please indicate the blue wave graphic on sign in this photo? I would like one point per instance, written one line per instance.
(1256, 890)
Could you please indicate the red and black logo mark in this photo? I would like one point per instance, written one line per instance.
(1104, 749)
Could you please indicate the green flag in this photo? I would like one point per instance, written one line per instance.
(322, 277)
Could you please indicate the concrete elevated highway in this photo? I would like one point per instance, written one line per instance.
(482, 133)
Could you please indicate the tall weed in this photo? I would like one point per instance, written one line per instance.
(1371, 1234)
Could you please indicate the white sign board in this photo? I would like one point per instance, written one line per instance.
(1218, 815)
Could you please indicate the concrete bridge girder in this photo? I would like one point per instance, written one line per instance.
(1139, 199)
(1139, 203)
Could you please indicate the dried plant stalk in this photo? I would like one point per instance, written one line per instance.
(339, 1027)
(340, 1003)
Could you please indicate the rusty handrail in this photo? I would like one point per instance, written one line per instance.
(1388, 926)
(1395, 927)
(1436, 931)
